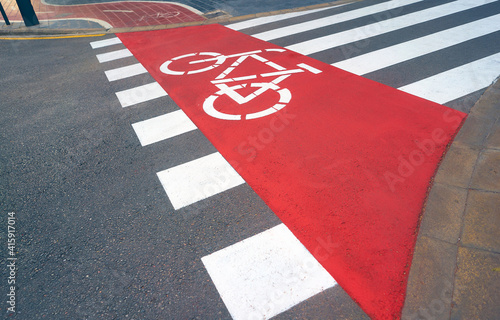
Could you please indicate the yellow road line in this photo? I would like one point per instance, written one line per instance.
(55, 37)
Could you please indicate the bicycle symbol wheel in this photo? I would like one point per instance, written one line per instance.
(284, 94)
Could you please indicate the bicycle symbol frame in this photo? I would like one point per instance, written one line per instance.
(222, 81)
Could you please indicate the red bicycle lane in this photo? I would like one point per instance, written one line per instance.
(345, 162)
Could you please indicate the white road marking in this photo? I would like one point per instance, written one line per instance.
(309, 68)
(125, 72)
(199, 179)
(458, 82)
(140, 94)
(127, 11)
(392, 55)
(371, 30)
(163, 127)
(266, 274)
(263, 20)
(279, 73)
(105, 43)
(235, 79)
(114, 55)
(326, 21)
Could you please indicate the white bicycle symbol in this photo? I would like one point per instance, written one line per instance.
(215, 60)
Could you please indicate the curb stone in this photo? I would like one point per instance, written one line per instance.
(458, 247)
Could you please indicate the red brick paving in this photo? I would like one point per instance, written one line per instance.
(116, 14)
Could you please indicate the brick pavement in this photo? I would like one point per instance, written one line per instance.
(110, 14)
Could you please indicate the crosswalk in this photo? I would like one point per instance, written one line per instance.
(444, 51)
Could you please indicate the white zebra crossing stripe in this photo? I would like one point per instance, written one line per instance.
(323, 22)
(199, 179)
(388, 56)
(163, 127)
(263, 20)
(371, 30)
(266, 274)
(113, 55)
(458, 82)
(105, 43)
(140, 94)
(125, 72)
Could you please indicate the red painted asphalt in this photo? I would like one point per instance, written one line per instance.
(117, 14)
(345, 163)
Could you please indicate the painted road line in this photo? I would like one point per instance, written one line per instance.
(458, 82)
(358, 189)
(392, 55)
(114, 55)
(385, 26)
(140, 94)
(53, 37)
(263, 20)
(199, 179)
(327, 21)
(125, 72)
(266, 274)
(163, 127)
(124, 11)
(105, 43)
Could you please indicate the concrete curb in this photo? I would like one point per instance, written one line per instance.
(37, 31)
(454, 273)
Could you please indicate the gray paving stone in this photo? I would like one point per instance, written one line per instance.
(430, 281)
(487, 174)
(457, 166)
(477, 284)
(473, 131)
(443, 214)
(493, 139)
(489, 104)
(482, 221)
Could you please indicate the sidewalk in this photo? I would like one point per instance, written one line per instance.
(123, 14)
(455, 272)
(126, 16)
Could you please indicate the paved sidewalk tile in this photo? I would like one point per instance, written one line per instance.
(487, 175)
(488, 106)
(493, 139)
(443, 213)
(477, 285)
(431, 280)
(472, 133)
(458, 165)
(482, 221)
